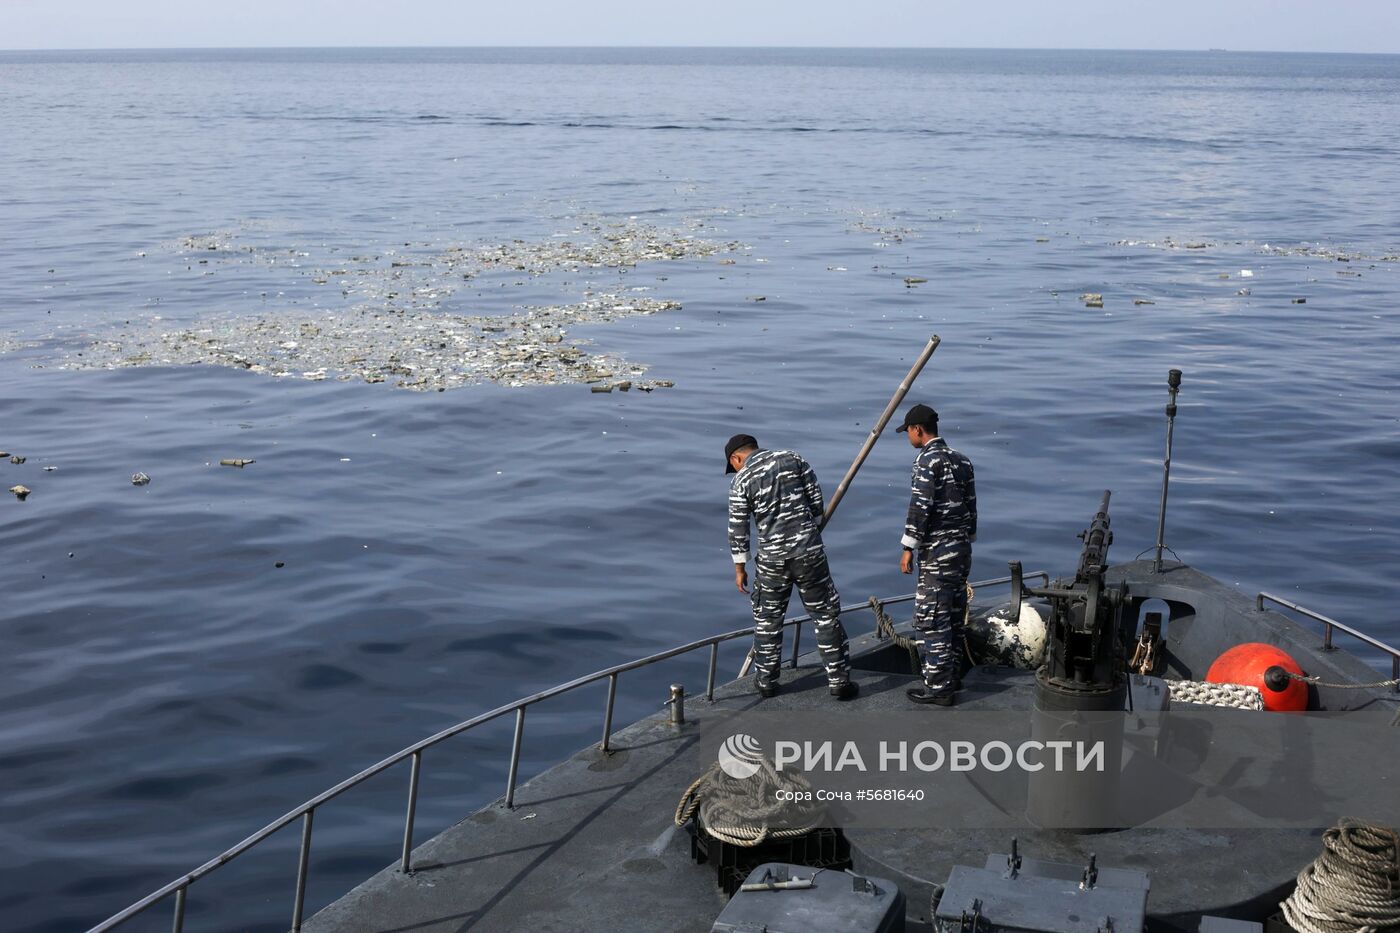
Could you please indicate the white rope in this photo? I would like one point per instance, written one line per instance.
(1233, 696)
(747, 811)
(1353, 886)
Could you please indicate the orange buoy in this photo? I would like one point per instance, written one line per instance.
(1259, 665)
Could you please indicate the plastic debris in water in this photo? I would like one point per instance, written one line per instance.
(20, 492)
(236, 463)
(140, 479)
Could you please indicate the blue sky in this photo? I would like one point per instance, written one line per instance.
(1280, 25)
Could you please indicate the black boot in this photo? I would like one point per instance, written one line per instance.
(767, 691)
(846, 691)
(925, 695)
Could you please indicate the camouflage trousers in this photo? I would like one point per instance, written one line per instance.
(772, 586)
(940, 603)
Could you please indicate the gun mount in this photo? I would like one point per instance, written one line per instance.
(1082, 685)
(1084, 654)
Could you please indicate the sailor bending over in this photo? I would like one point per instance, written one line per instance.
(778, 489)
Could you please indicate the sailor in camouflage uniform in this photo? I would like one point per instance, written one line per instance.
(778, 489)
(939, 532)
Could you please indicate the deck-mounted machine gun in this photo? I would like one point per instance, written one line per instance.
(1082, 687)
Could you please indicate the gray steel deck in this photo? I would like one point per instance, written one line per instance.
(590, 843)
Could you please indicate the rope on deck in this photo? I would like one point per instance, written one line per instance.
(1353, 886)
(1233, 696)
(747, 811)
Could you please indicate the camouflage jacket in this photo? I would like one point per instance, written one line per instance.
(943, 501)
(780, 491)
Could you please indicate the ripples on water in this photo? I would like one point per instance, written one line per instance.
(168, 687)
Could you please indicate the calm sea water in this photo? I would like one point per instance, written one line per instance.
(167, 687)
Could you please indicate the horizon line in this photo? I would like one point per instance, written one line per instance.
(639, 47)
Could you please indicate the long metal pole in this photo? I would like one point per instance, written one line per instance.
(879, 427)
(869, 445)
(1173, 384)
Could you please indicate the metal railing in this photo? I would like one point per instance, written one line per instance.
(1328, 625)
(306, 812)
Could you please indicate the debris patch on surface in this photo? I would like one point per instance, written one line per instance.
(419, 274)
(1328, 252)
(1314, 250)
(887, 230)
(1167, 243)
(392, 319)
(415, 349)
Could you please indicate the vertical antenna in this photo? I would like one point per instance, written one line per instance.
(1173, 385)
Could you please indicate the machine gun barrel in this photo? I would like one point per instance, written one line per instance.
(1097, 537)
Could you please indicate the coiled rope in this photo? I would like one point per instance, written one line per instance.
(1353, 886)
(747, 811)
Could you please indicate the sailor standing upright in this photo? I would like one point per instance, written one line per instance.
(779, 490)
(938, 534)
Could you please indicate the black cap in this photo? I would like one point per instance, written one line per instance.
(921, 415)
(737, 442)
